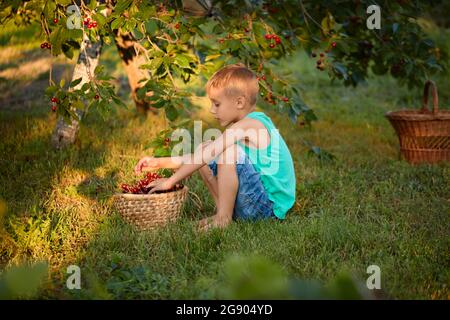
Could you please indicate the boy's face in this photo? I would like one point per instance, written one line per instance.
(224, 108)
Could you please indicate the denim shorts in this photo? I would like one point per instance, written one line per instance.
(252, 202)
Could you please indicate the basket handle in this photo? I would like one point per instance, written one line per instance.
(429, 83)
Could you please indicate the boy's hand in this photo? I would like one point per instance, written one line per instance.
(160, 185)
(147, 164)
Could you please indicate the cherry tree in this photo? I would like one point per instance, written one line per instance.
(164, 42)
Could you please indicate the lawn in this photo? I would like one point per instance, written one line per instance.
(367, 207)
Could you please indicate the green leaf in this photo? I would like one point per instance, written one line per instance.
(151, 27)
(78, 105)
(92, 4)
(182, 61)
(171, 113)
(99, 69)
(75, 82)
(100, 18)
(73, 114)
(159, 104)
(428, 42)
(140, 93)
(292, 115)
(137, 34)
(119, 102)
(234, 44)
(340, 68)
(121, 6)
(57, 37)
(117, 23)
(327, 23)
(50, 91)
(68, 52)
(161, 152)
(85, 86)
(395, 27)
(61, 83)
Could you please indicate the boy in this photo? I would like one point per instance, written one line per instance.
(250, 172)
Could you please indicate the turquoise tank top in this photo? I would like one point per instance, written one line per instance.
(275, 166)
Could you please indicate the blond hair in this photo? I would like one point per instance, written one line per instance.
(237, 80)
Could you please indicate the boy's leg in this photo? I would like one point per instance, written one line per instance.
(209, 178)
(228, 184)
(211, 182)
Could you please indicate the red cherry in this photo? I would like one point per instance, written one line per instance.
(55, 20)
(94, 24)
(177, 26)
(277, 39)
(263, 77)
(285, 99)
(333, 44)
(49, 46)
(268, 36)
(43, 45)
(125, 188)
(134, 190)
(53, 108)
(272, 45)
(54, 100)
(96, 97)
(321, 54)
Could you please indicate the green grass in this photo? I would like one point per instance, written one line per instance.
(367, 207)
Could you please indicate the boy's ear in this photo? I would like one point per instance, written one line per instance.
(241, 101)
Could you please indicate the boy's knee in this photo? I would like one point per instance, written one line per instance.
(206, 172)
(229, 156)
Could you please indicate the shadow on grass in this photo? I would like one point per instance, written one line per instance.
(26, 94)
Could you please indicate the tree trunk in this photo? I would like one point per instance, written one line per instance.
(64, 133)
(129, 52)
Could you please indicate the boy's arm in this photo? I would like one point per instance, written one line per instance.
(206, 153)
(152, 163)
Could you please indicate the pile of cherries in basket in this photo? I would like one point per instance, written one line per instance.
(141, 186)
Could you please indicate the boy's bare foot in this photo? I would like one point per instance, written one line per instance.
(215, 221)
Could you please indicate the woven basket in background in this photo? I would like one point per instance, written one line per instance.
(424, 135)
(147, 211)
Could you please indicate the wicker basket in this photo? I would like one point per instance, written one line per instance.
(147, 211)
(424, 135)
